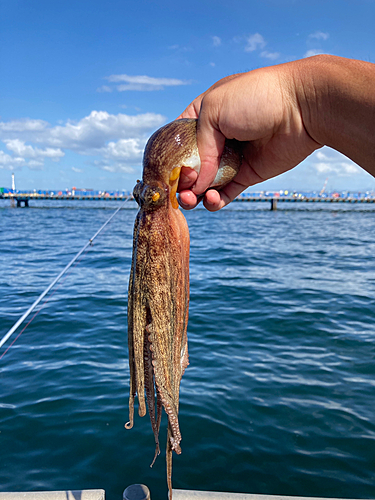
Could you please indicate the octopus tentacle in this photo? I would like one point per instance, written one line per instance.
(169, 462)
(137, 318)
(133, 388)
(159, 408)
(150, 388)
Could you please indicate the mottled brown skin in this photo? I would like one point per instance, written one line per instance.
(158, 299)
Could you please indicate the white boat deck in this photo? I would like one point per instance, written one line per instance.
(143, 493)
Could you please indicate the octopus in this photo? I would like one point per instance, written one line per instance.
(158, 296)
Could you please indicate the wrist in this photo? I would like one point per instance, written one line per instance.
(310, 85)
(337, 101)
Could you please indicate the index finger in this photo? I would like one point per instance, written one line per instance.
(192, 111)
(210, 146)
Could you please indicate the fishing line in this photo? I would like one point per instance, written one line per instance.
(44, 303)
(41, 297)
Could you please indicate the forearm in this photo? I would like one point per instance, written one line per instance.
(337, 101)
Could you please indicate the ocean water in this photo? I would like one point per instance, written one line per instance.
(279, 397)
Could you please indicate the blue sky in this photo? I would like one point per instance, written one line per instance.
(84, 83)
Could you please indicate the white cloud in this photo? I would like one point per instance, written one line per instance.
(19, 148)
(104, 88)
(108, 169)
(118, 168)
(323, 167)
(77, 170)
(23, 125)
(9, 162)
(313, 52)
(119, 139)
(35, 165)
(141, 83)
(216, 41)
(334, 163)
(319, 35)
(321, 156)
(350, 168)
(124, 149)
(255, 42)
(338, 168)
(314, 38)
(270, 55)
(93, 131)
(179, 48)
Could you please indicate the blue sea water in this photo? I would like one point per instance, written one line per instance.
(279, 397)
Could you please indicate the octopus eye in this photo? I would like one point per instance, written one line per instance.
(137, 191)
(152, 196)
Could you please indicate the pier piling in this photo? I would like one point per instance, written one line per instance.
(25, 202)
(136, 492)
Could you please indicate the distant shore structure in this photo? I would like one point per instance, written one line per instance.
(13, 201)
(22, 198)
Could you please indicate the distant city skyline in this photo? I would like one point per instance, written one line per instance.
(84, 84)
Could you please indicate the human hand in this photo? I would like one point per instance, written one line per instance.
(262, 108)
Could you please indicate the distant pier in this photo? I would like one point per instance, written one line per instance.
(23, 198)
(273, 198)
(306, 198)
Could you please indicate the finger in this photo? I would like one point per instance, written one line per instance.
(192, 111)
(215, 200)
(188, 113)
(210, 146)
(247, 176)
(187, 178)
(187, 199)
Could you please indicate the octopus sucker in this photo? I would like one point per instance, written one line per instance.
(158, 296)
